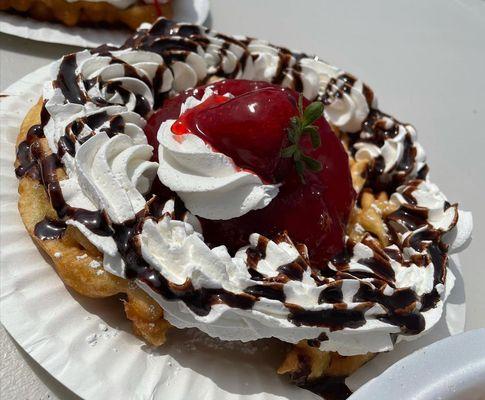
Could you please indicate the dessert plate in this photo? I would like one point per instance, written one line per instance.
(67, 333)
(195, 11)
(453, 368)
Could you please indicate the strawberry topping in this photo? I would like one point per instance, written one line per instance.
(255, 126)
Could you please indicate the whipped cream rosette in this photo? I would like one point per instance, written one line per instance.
(360, 300)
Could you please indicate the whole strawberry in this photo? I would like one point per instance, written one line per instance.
(278, 135)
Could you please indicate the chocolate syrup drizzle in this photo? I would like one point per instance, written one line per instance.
(175, 42)
(33, 162)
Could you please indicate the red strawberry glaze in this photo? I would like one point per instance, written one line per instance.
(171, 108)
(251, 129)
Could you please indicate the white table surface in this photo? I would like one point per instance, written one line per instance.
(425, 61)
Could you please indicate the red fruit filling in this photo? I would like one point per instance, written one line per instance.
(252, 129)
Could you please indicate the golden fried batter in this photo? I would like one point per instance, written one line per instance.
(302, 357)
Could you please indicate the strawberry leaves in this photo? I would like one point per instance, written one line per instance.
(301, 126)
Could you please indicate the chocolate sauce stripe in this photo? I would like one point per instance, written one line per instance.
(30, 157)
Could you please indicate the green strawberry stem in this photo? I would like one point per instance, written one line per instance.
(300, 126)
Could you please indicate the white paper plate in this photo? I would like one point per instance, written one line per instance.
(61, 330)
(453, 368)
(195, 11)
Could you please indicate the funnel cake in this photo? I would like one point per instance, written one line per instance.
(320, 230)
(113, 13)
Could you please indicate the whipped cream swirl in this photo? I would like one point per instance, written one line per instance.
(114, 174)
(110, 174)
(348, 102)
(392, 150)
(209, 183)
